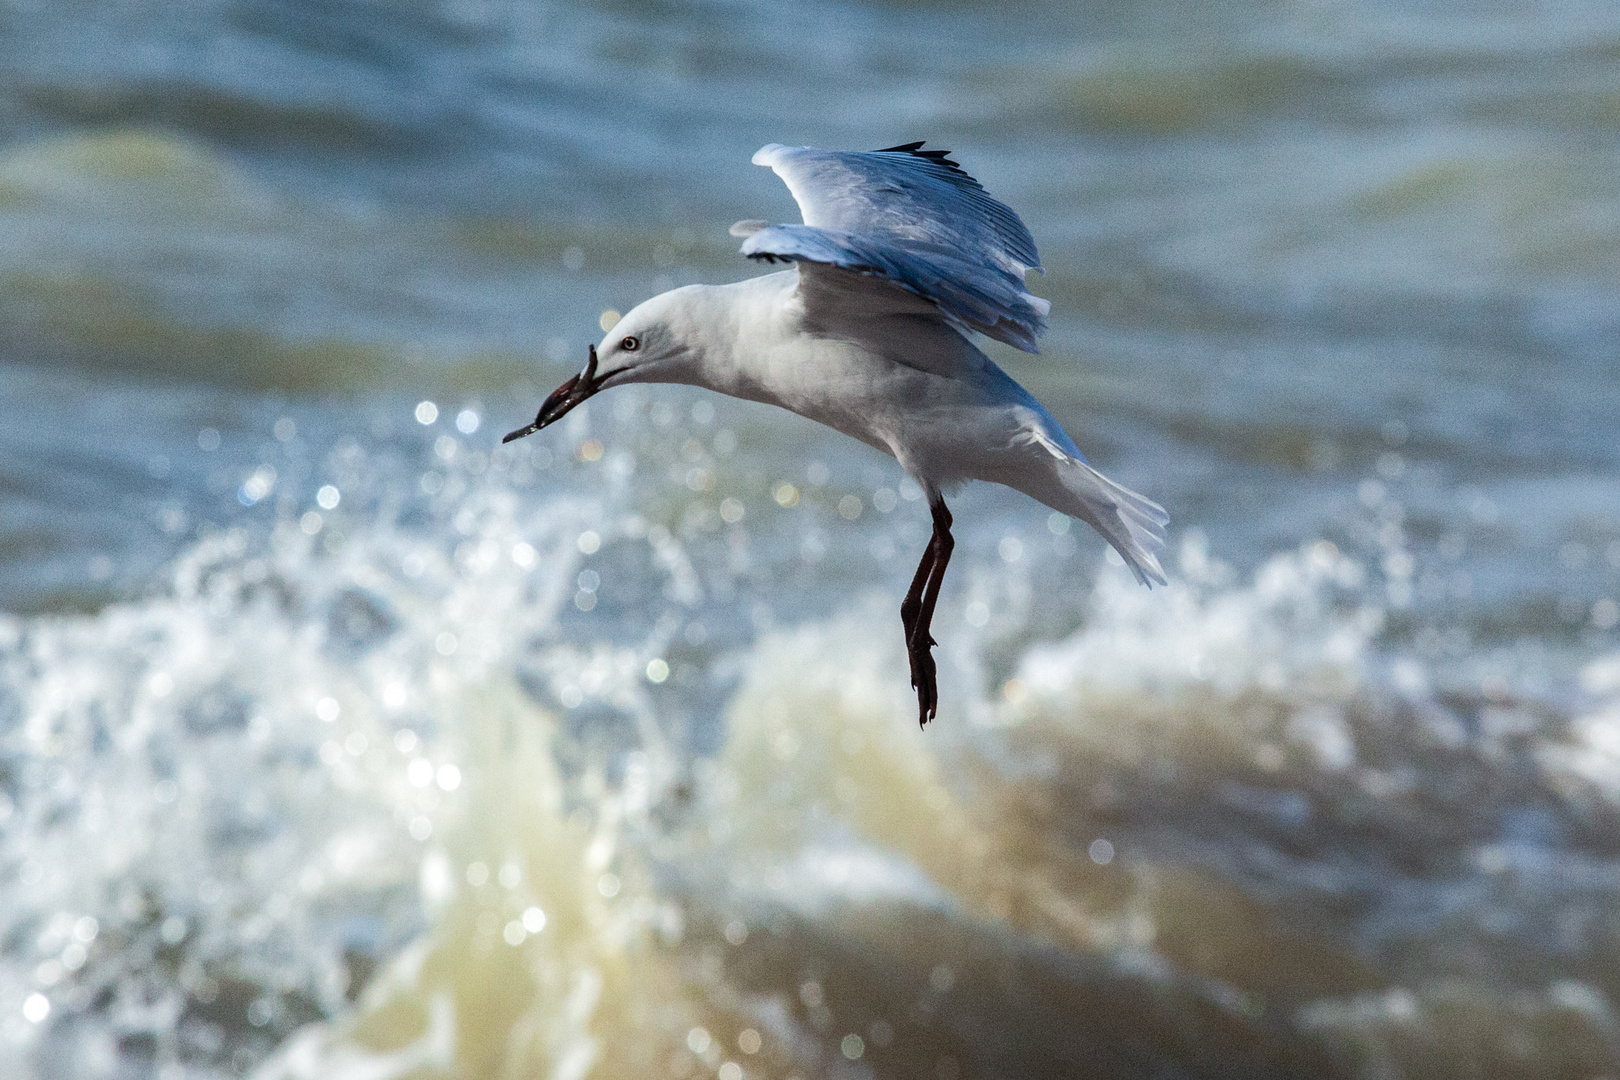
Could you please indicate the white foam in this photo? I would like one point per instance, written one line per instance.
(1292, 626)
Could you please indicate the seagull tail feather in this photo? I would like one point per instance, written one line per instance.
(1132, 523)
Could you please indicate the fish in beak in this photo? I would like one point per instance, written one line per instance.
(564, 398)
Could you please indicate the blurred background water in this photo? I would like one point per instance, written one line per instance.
(338, 741)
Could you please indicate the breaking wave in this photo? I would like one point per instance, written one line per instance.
(371, 795)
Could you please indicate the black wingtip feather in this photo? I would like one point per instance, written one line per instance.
(915, 149)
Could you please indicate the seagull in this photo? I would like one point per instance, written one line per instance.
(901, 258)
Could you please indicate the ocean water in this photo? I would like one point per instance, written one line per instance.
(339, 741)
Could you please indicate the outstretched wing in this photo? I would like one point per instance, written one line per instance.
(911, 216)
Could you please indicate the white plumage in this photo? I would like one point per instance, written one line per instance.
(901, 255)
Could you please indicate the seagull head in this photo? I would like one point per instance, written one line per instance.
(653, 343)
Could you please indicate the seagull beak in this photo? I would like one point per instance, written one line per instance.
(564, 398)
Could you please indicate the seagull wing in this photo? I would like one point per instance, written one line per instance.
(913, 217)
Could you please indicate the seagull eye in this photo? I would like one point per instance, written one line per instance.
(630, 344)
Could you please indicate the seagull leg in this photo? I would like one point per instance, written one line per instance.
(917, 612)
(911, 606)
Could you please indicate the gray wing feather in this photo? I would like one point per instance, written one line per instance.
(972, 295)
(915, 218)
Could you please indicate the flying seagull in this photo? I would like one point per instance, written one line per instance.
(901, 257)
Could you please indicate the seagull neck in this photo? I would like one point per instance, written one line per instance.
(724, 330)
